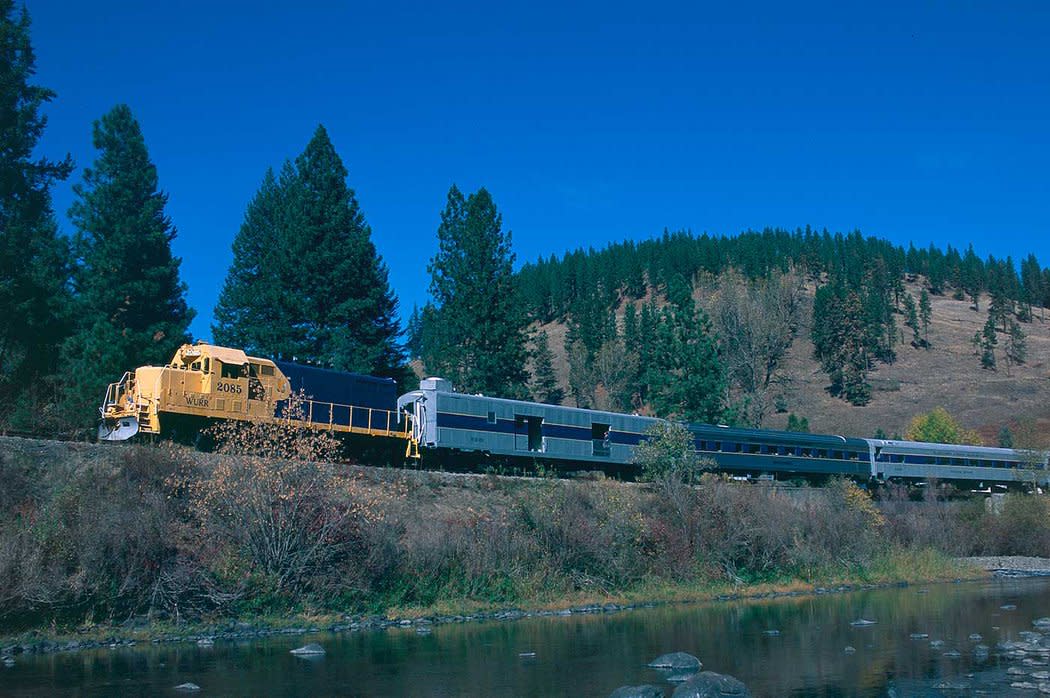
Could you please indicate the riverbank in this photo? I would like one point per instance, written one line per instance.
(934, 568)
(106, 543)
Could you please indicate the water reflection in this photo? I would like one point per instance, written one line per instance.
(778, 647)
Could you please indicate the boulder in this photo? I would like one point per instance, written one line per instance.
(708, 684)
(677, 661)
(311, 650)
(643, 691)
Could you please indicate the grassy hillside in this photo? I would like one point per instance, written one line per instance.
(947, 374)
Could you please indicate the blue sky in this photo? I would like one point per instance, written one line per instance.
(589, 123)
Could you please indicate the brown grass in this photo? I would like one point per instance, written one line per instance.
(946, 375)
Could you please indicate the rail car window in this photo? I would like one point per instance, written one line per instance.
(207, 364)
(754, 448)
(716, 445)
(267, 370)
(822, 453)
(195, 366)
(600, 439)
(491, 418)
(229, 370)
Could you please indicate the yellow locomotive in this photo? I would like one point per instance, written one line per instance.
(204, 383)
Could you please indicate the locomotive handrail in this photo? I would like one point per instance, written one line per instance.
(388, 425)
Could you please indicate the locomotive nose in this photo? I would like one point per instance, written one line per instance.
(118, 429)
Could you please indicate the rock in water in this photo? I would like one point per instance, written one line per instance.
(678, 661)
(644, 691)
(708, 684)
(188, 687)
(311, 650)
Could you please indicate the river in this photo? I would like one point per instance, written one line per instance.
(924, 641)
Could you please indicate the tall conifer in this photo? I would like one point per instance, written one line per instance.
(34, 259)
(258, 298)
(545, 386)
(476, 336)
(131, 303)
(306, 282)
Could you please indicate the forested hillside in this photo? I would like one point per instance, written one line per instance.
(806, 324)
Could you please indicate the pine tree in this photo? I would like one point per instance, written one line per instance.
(988, 343)
(912, 319)
(34, 258)
(1006, 437)
(545, 386)
(925, 312)
(131, 304)
(476, 336)
(1016, 345)
(260, 296)
(306, 282)
(414, 333)
(685, 377)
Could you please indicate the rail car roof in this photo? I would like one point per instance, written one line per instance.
(523, 404)
(922, 447)
(769, 435)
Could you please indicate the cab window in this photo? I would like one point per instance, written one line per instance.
(230, 371)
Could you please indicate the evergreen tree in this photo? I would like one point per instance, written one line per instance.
(971, 275)
(260, 297)
(414, 333)
(131, 304)
(685, 377)
(1016, 345)
(912, 319)
(34, 258)
(797, 424)
(545, 386)
(306, 282)
(630, 327)
(477, 335)
(925, 312)
(1031, 284)
(988, 343)
(1006, 438)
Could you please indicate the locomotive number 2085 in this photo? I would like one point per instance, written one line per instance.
(232, 388)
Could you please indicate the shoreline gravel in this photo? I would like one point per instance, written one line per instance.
(1011, 565)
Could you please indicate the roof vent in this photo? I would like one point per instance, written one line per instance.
(436, 384)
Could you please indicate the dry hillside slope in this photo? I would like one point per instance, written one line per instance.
(948, 374)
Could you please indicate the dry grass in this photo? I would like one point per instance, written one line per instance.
(946, 375)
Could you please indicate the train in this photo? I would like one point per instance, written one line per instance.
(205, 383)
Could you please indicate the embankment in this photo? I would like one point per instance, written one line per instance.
(102, 536)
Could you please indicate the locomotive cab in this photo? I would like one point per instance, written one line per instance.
(201, 382)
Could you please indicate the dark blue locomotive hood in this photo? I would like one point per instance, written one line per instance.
(340, 387)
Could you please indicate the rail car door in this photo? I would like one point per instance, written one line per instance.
(528, 433)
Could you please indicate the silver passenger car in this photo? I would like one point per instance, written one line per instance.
(444, 419)
(911, 460)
